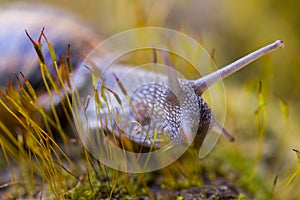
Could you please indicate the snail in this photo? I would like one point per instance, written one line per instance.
(162, 108)
(168, 110)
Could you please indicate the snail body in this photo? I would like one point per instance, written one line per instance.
(166, 107)
(164, 104)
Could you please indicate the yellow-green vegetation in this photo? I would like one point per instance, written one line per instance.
(41, 166)
(262, 110)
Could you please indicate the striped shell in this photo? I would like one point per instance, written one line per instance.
(17, 52)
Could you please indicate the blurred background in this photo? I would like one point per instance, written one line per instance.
(231, 29)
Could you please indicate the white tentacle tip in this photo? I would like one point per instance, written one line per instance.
(279, 43)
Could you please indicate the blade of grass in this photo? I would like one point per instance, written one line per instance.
(293, 175)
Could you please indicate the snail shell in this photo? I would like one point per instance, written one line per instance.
(17, 52)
